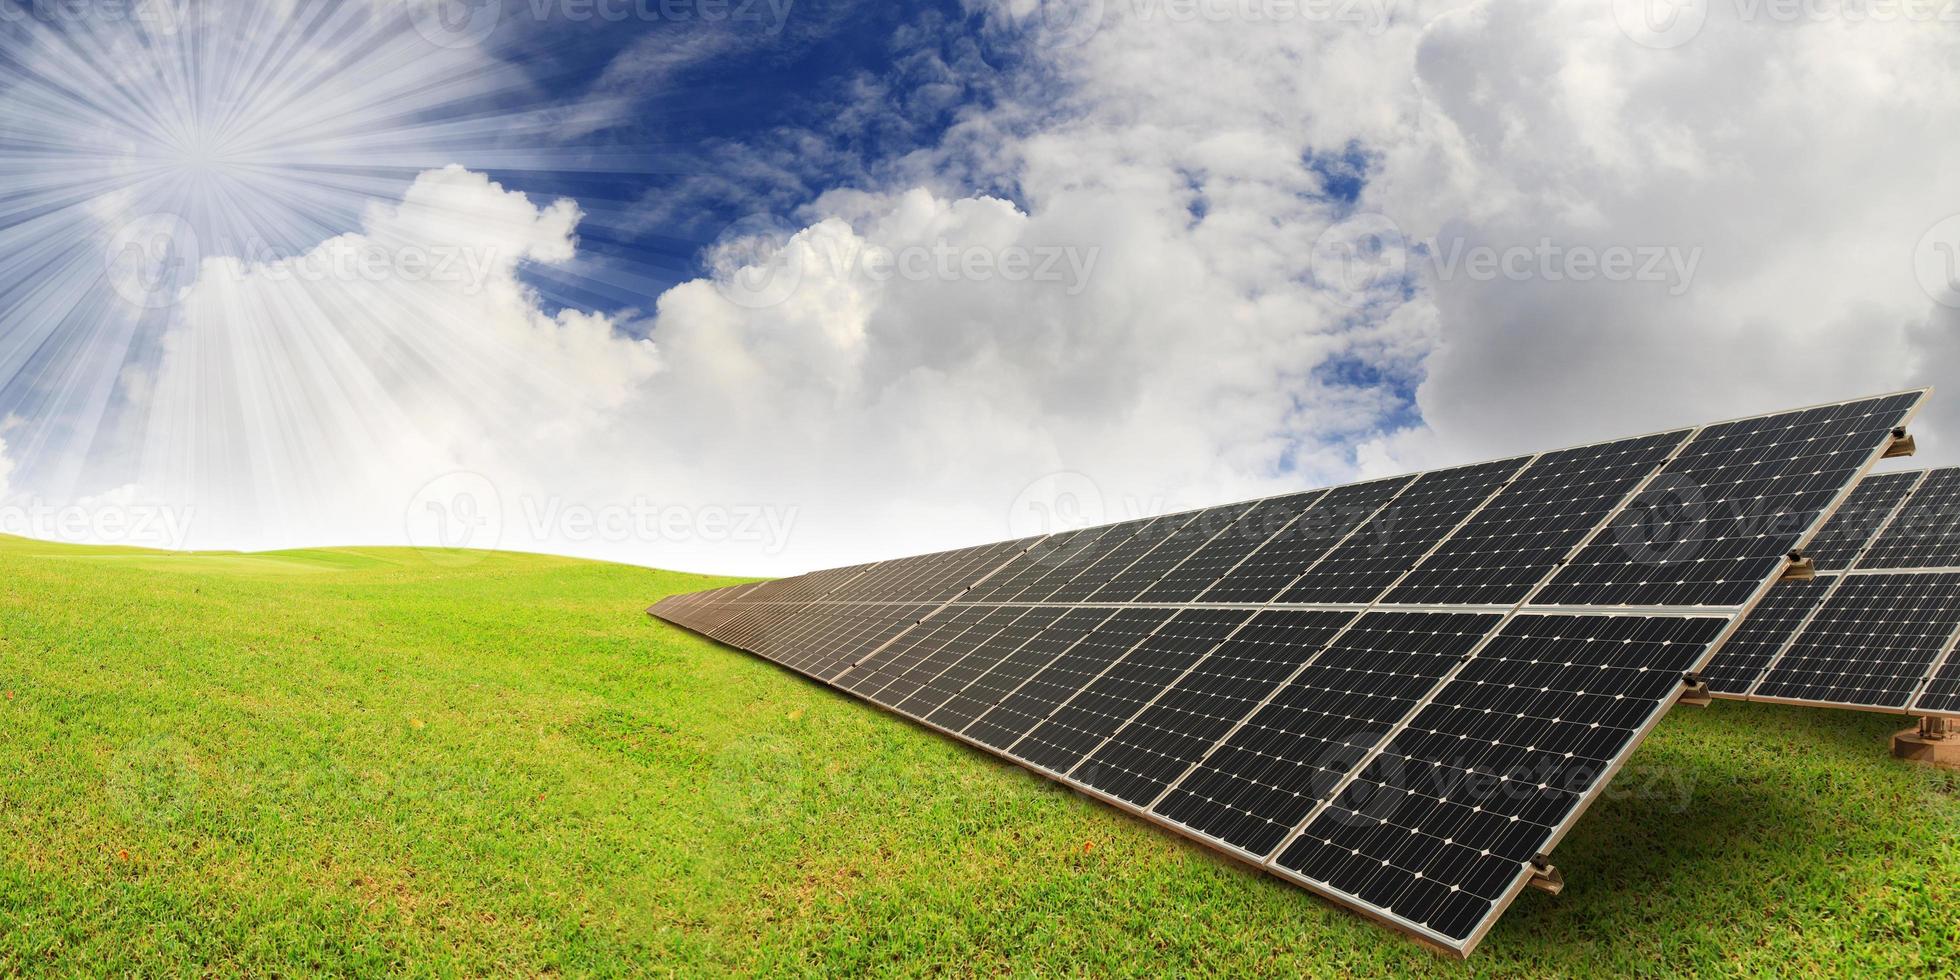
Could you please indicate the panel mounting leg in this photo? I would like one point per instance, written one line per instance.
(1936, 742)
(1545, 877)
(1801, 568)
(1902, 445)
(1696, 693)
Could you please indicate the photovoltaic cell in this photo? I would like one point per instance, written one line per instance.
(1850, 530)
(1055, 683)
(1221, 554)
(1104, 704)
(1871, 643)
(1117, 560)
(1014, 668)
(942, 655)
(1269, 570)
(851, 632)
(1041, 558)
(1082, 553)
(1143, 758)
(1256, 785)
(981, 658)
(1763, 635)
(1439, 827)
(873, 675)
(1942, 694)
(1926, 532)
(1382, 550)
(1127, 585)
(1522, 534)
(1716, 521)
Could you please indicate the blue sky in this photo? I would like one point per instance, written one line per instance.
(870, 278)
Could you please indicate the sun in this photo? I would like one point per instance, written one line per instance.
(138, 141)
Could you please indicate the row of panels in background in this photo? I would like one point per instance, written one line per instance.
(1877, 628)
(1399, 694)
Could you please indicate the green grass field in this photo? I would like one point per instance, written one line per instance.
(363, 761)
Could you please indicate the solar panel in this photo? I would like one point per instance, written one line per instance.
(1129, 685)
(1267, 571)
(1166, 738)
(1926, 532)
(1716, 521)
(1054, 684)
(1519, 537)
(1382, 550)
(1006, 675)
(1852, 529)
(1872, 635)
(1870, 644)
(1764, 634)
(1221, 554)
(1942, 693)
(1399, 694)
(1444, 823)
(1128, 584)
(1257, 784)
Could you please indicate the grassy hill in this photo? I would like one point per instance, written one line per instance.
(367, 760)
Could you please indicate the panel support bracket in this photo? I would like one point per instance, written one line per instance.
(1802, 568)
(1545, 876)
(1696, 693)
(1936, 742)
(1902, 444)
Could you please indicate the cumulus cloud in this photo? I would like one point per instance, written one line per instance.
(1240, 257)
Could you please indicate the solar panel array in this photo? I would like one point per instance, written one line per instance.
(1398, 694)
(1878, 627)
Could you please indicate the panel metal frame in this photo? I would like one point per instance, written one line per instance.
(1507, 615)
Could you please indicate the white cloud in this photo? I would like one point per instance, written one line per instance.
(891, 373)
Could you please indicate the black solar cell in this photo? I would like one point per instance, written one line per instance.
(1851, 529)
(1718, 520)
(1126, 687)
(1256, 785)
(1269, 570)
(1742, 660)
(1871, 643)
(1439, 826)
(1384, 549)
(1926, 532)
(1221, 554)
(1150, 752)
(1522, 534)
